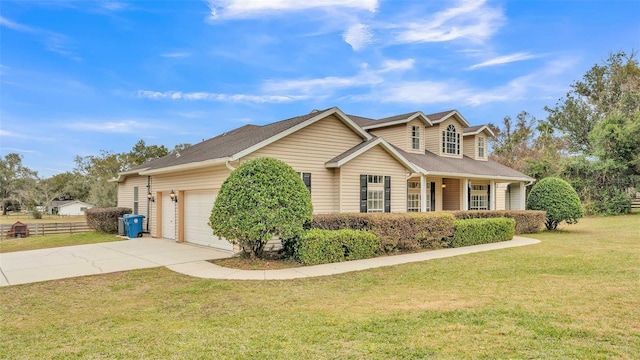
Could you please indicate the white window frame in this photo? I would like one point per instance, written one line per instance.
(415, 137)
(451, 141)
(375, 179)
(479, 202)
(481, 147)
(375, 200)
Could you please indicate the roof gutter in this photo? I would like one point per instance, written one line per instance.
(475, 176)
(185, 167)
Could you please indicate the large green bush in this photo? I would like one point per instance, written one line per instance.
(482, 231)
(527, 221)
(318, 246)
(105, 219)
(396, 232)
(262, 198)
(558, 199)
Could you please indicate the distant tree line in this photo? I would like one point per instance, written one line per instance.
(590, 138)
(22, 188)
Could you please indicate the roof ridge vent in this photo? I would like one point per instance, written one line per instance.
(177, 154)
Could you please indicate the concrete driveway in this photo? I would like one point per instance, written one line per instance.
(49, 264)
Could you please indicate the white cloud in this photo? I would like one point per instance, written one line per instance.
(119, 126)
(234, 9)
(15, 26)
(472, 20)
(504, 59)
(20, 150)
(357, 36)
(235, 98)
(54, 42)
(114, 5)
(396, 65)
(176, 54)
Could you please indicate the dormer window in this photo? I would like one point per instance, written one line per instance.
(415, 137)
(481, 147)
(451, 141)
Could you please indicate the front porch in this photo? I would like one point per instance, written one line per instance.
(430, 193)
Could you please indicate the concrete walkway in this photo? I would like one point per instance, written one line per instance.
(65, 262)
(207, 270)
(71, 261)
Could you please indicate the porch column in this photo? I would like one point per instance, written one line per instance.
(465, 194)
(492, 195)
(423, 193)
(523, 196)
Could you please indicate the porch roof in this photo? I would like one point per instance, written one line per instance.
(432, 164)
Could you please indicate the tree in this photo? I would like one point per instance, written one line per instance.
(262, 198)
(558, 199)
(141, 153)
(15, 181)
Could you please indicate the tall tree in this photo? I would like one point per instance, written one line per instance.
(15, 181)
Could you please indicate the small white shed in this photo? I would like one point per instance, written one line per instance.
(69, 207)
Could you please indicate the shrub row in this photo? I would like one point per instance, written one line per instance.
(105, 219)
(527, 221)
(482, 231)
(327, 246)
(396, 232)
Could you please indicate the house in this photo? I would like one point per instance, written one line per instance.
(409, 162)
(68, 207)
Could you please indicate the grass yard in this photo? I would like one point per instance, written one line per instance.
(574, 296)
(51, 241)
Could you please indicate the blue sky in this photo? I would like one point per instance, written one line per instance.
(77, 77)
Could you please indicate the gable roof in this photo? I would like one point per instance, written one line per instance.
(432, 164)
(474, 130)
(397, 120)
(61, 203)
(233, 145)
(437, 118)
(363, 147)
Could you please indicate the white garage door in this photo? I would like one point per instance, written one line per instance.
(197, 210)
(168, 217)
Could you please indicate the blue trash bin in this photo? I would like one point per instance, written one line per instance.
(133, 225)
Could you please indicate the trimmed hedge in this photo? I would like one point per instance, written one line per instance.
(482, 231)
(327, 246)
(527, 221)
(396, 232)
(105, 219)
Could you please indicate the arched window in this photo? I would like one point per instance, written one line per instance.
(451, 141)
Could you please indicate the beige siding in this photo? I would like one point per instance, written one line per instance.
(396, 135)
(376, 161)
(409, 137)
(451, 199)
(470, 146)
(433, 139)
(125, 195)
(308, 150)
(501, 196)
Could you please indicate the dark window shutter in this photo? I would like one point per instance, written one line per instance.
(387, 194)
(363, 193)
(488, 197)
(306, 178)
(468, 196)
(433, 196)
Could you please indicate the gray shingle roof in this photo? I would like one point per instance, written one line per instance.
(352, 150)
(438, 164)
(439, 115)
(226, 144)
(472, 129)
(362, 121)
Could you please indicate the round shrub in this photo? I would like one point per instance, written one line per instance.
(261, 199)
(558, 199)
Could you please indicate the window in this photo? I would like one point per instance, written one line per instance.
(481, 147)
(374, 179)
(479, 202)
(413, 196)
(415, 137)
(135, 200)
(375, 193)
(306, 179)
(478, 187)
(375, 200)
(451, 141)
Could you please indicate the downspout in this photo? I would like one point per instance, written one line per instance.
(148, 202)
(228, 165)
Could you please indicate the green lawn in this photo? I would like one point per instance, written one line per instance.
(51, 241)
(574, 296)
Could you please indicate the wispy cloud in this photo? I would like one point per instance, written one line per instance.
(114, 5)
(237, 9)
(208, 96)
(504, 59)
(358, 35)
(396, 65)
(118, 126)
(53, 41)
(472, 20)
(176, 54)
(23, 151)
